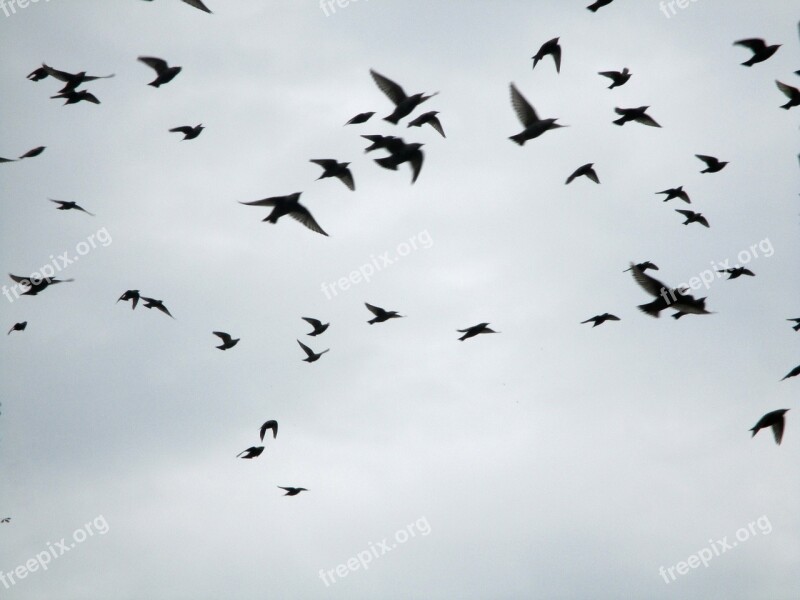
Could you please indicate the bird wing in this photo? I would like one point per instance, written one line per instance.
(650, 284)
(159, 64)
(787, 89)
(525, 112)
(89, 97)
(437, 125)
(592, 174)
(647, 120)
(59, 202)
(315, 323)
(393, 91)
(198, 4)
(271, 424)
(301, 214)
(164, 309)
(703, 221)
(93, 77)
(309, 352)
(375, 310)
(611, 317)
(347, 178)
(610, 74)
(709, 160)
(684, 196)
(686, 213)
(182, 129)
(265, 202)
(557, 57)
(60, 75)
(777, 429)
(18, 279)
(325, 163)
(416, 164)
(226, 338)
(754, 44)
(84, 210)
(33, 152)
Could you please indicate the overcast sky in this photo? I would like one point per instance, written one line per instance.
(553, 460)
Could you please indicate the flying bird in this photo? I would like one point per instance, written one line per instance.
(761, 51)
(381, 315)
(18, 327)
(164, 73)
(793, 373)
(288, 205)
(675, 193)
(251, 452)
(132, 295)
(33, 152)
(635, 114)
(194, 3)
(311, 356)
(713, 165)
(737, 272)
(292, 491)
(227, 341)
(37, 284)
(552, 48)
(617, 78)
(399, 153)
(776, 420)
(319, 326)
(63, 205)
(73, 97)
(475, 330)
(72, 80)
(792, 93)
(600, 319)
(693, 217)
(595, 6)
(5, 520)
(404, 104)
(189, 132)
(431, 119)
(534, 126)
(360, 118)
(271, 424)
(333, 168)
(159, 304)
(796, 326)
(665, 297)
(586, 170)
(642, 266)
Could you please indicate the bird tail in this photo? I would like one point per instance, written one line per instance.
(518, 139)
(387, 162)
(620, 121)
(653, 308)
(392, 119)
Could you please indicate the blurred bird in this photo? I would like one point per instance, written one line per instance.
(635, 114)
(400, 152)
(194, 3)
(37, 284)
(761, 51)
(189, 133)
(617, 78)
(713, 165)
(33, 152)
(5, 520)
(594, 7)
(693, 217)
(311, 356)
(319, 326)
(227, 341)
(271, 424)
(600, 319)
(288, 205)
(776, 420)
(404, 104)
(38, 74)
(585, 170)
(292, 491)
(62, 205)
(793, 373)
(791, 92)
(360, 118)
(379, 142)
(6, 160)
(164, 73)
(18, 327)
(677, 299)
(72, 80)
(737, 272)
(336, 169)
(796, 327)
(552, 48)
(431, 119)
(159, 304)
(475, 330)
(132, 295)
(251, 452)
(676, 193)
(381, 315)
(534, 126)
(73, 97)
(642, 266)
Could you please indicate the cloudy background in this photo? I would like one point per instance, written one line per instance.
(551, 461)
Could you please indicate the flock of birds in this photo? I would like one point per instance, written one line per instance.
(400, 152)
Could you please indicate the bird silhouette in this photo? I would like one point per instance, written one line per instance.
(288, 205)
(713, 165)
(271, 424)
(164, 73)
(381, 315)
(73, 97)
(404, 104)
(761, 51)
(776, 420)
(792, 93)
(158, 304)
(189, 132)
(292, 491)
(638, 115)
(475, 330)
(693, 217)
(534, 126)
(251, 452)
(600, 319)
(132, 295)
(333, 168)
(5, 520)
(595, 6)
(72, 80)
(552, 48)
(227, 341)
(675, 193)
(399, 153)
(319, 326)
(431, 119)
(380, 142)
(793, 373)
(737, 272)
(36, 285)
(617, 78)
(33, 152)
(64, 205)
(311, 356)
(18, 327)
(586, 170)
(360, 118)
(665, 297)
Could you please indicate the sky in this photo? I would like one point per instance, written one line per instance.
(552, 460)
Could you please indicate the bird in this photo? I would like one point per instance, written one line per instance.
(713, 165)
(404, 104)
(791, 92)
(737, 272)
(73, 97)
(793, 373)
(595, 6)
(360, 118)
(72, 80)
(288, 205)
(333, 168)
(617, 78)
(761, 51)
(36, 284)
(194, 3)
(33, 152)
(271, 424)
(796, 326)
(381, 315)
(159, 304)
(64, 205)
(132, 295)
(227, 341)
(251, 452)
(600, 319)
(38, 74)
(776, 420)
(292, 491)
(552, 48)
(431, 119)
(475, 330)
(586, 170)
(164, 73)
(319, 326)
(18, 327)
(635, 114)
(693, 217)
(5, 520)
(311, 356)
(189, 132)
(534, 126)
(677, 299)
(401, 152)
(642, 266)
(675, 193)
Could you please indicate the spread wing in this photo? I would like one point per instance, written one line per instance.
(301, 214)
(754, 44)
(159, 64)
(309, 352)
(525, 112)
(198, 4)
(651, 285)
(271, 424)
(393, 91)
(60, 75)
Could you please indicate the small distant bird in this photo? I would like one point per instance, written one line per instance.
(793, 373)
(642, 266)
(676, 193)
(36, 285)
(737, 272)
(336, 169)
(271, 424)
(796, 327)
(617, 78)
(475, 330)
(5, 520)
(431, 119)
(379, 142)
(534, 126)
(791, 92)
(33, 152)
(319, 326)
(360, 118)
(251, 452)
(381, 315)
(159, 304)
(585, 170)
(164, 73)
(600, 319)
(311, 356)
(132, 295)
(693, 217)
(292, 491)
(189, 132)
(72, 80)
(194, 3)
(635, 114)
(227, 341)
(776, 420)
(18, 327)
(400, 152)
(676, 299)
(761, 51)
(713, 165)
(73, 97)
(63, 205)
(287, 205)
(594, 7)
(404, 104)
(552, 48)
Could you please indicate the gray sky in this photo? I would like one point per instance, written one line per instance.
(551, 461)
